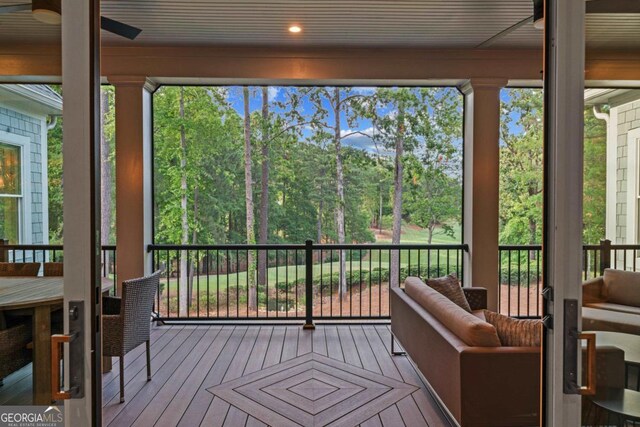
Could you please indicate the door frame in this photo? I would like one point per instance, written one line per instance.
(564, 55)
(81, 149)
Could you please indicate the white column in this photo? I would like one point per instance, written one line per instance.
(81, 152)
(562, 243)
(481, 184)
(133, 175)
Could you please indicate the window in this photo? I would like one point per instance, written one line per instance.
(10, 192)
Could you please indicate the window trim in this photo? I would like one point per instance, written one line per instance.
(633, 186)
(25, 232)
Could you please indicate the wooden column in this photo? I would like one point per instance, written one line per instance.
(481, 184)
(133, 175)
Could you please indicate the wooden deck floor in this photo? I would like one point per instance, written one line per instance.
(271, 375)
(189, 361)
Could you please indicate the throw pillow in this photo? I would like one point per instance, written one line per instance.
(516, 332)
(450, 288)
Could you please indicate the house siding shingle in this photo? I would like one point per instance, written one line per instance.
(628, 119)
(30, 127)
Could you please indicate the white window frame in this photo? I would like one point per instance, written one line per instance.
(633, 187)
(25, 231)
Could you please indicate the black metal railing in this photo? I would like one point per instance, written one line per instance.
(291, 281)
(55, 253)
(520, 272)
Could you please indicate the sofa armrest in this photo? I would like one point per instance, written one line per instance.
(476, 297)
(592, 290)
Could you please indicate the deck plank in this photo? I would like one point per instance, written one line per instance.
(256, 359)
(199, 405)
(305, 341)
(391, 417)
(126, 413)
(372, 422)
(319, 341)
(349, 349)
(235, 418)
(381, 353)
(164, 396)
(334, 349)
(235, 371)
(274, 352)
(290, 348)
(367, 356)
(134, 382)
(424, 400)
(173, 412)
(410, 412)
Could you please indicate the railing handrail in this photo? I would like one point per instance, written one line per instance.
(318, 246)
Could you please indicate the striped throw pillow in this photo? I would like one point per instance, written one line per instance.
(449, 286)
(516, 332)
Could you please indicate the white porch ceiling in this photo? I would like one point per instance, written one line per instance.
(350, 23)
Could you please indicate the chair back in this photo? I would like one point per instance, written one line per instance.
(19, 269)
(136, 306)
(53, 269)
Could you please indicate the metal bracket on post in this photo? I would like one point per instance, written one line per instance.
(308, 285)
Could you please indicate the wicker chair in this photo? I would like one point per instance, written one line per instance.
(14, 353)
(53, 269)
(126, 321)
(17, 269)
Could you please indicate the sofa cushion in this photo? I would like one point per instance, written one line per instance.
(614, 307)
(449, 286)
(622, 287)
(516, 332)
(470, 329)
(594, 319)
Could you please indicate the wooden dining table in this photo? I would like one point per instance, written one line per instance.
(40, 296)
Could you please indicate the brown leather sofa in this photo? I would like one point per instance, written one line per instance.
(481, 385)
(612, 302)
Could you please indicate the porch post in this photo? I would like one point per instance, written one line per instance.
(481, 172)
(133, 175)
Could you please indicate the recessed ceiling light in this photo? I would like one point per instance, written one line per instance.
(295, 29)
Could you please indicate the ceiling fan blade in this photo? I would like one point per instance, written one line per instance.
(613, 6)
(119, 28)
(15, 8)
(488, 42)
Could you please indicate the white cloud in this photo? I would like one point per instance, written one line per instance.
(274, 92)
(363, 90)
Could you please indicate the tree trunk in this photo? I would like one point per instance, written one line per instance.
(340, 192)
(194, 240)
(394, 273)
(248, 189)
(105, 179)
(319, 222)
(264, 182)
(380, 211)
(184, 240)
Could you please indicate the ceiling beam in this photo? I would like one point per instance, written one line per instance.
(211, 65)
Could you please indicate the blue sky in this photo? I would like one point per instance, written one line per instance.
(279, 94)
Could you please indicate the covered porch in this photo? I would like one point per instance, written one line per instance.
(212, 338)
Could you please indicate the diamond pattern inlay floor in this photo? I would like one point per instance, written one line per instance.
(312, 390)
